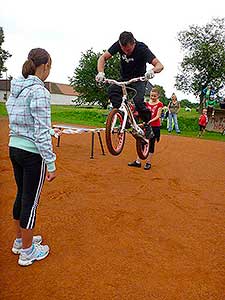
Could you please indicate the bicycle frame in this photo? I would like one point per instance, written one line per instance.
(125, 108)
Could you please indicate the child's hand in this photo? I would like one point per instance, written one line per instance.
(50, 176)
(58, 131)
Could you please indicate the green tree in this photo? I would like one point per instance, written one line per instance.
(162, 96)
(83, 80)
(204, 59)
(4, 55)
(185, 102)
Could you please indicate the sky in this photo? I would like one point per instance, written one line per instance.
(66, 29)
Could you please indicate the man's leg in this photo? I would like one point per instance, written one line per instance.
(115, 95)
(144, 113)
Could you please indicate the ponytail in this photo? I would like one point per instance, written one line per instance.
(28, 68)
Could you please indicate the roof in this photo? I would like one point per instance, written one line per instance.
(53, 87)
(60, 88)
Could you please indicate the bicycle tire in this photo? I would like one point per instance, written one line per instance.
(142, 148)
(114, 138)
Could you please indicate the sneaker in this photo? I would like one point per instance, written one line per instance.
(147, 166)
(37, 239)
(39, 252)
(134, 164)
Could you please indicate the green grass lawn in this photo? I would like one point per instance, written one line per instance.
(96, 117)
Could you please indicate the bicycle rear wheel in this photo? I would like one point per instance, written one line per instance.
(115, 139)
(142, 148)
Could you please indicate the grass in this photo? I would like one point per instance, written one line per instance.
(3, 111)
(188, 121)
(83, 116)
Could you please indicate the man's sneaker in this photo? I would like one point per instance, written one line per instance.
(37, 239)
(147, 166)
(134, 164)
(39, 252)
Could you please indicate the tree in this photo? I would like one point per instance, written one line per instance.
(185, 102)
(162, 96)
(4, 55)
(83, 80)
(204, 59)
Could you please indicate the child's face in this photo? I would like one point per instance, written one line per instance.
(154, 96)
(204, 111)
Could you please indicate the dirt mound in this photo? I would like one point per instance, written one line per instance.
(122, 233)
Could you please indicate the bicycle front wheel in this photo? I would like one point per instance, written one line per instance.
(115, 138)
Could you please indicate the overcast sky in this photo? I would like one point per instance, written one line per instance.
(68, 29)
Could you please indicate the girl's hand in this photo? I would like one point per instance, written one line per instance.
(58, 131)
(50, 176)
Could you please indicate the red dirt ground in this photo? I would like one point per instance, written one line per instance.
(122, 233)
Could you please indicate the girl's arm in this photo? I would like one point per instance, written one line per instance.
(157, 116)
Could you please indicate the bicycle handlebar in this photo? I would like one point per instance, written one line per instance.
(121, 83)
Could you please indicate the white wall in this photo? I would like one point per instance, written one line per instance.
(55, 99)
(62, 99)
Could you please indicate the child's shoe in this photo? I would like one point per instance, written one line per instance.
(17, 246)
(134, 164)
(39, 252)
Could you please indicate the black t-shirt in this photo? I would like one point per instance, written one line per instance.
(134, 65)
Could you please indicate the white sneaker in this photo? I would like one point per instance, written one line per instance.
(37, 239)
(39, 252)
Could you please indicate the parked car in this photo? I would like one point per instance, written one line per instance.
(187, 108)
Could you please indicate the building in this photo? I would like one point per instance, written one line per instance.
(62, 94)
(4, 89)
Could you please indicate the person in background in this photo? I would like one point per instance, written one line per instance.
(210, 105)
(134, 56)
(202, 122)
(30, 151)
(208, 92)
(164, 114)
(173, 108)
(155, 107)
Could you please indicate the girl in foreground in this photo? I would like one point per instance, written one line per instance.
(30, 151)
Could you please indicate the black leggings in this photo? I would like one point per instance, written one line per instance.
(115, 96)
(156, 130)
(29, 172)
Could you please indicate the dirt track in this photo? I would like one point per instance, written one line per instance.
(122, 233)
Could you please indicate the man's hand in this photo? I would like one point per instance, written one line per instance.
(149, 74)
(100, 77)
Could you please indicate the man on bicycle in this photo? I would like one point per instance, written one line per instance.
(134, 56)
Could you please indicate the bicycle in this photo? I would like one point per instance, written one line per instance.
(117, 120)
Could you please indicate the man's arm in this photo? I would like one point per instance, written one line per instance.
(101, 61)
(158, 66)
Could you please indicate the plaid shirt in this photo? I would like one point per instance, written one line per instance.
(29, 114)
